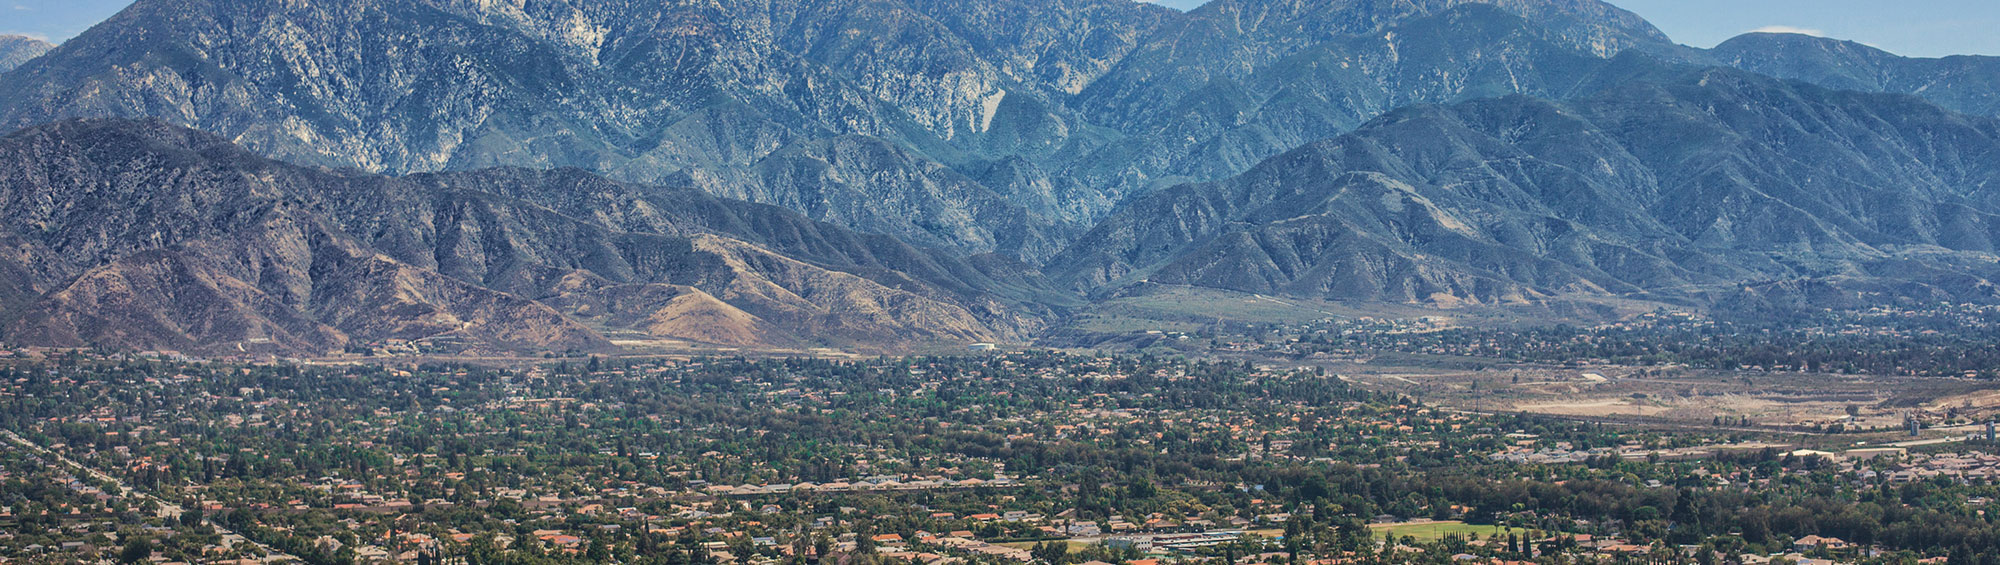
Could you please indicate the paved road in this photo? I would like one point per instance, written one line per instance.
(1924, 442)
(167, 509)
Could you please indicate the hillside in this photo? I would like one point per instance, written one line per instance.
(1679, 186)
(1003, 127)
(880, 173)
(146, 235)
(15, 50)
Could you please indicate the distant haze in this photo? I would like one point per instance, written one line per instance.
(1929, 28)
(54, 20)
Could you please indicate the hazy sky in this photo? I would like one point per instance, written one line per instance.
(54, 20)
(1927, 28)
(1924, 28)
(1920, 28)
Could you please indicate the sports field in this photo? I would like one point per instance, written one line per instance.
(1432, 531)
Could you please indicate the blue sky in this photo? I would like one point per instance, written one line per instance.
(54, 20)
(1920, 28)
(1926, 28)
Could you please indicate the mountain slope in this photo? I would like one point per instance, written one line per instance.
(411, 86)
(1673, 188)
(146, 235)
(1231, 39)
(15, 50)
(1355, 149)
(1001, 126)
(1969, 84)
(1229, 125)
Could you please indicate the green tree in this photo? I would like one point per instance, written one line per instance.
(136, 550)
(1051, 551)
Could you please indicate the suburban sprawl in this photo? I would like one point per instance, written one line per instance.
(1003, 457)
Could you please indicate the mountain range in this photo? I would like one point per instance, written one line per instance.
(1673, 185)
(1965, 83)
(143, 234)
(959, 170)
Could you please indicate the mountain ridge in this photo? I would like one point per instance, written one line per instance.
(752, 100)
(16, 50)
(147, 235)
(1710, 179)
(871, 174)
(1965, 83)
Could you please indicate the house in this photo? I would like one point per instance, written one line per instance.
(564, 540)
(1140, 543)
(1810, 543)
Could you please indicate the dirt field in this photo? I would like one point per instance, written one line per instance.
(1691, 397)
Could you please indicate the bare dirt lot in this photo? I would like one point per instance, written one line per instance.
(1790, 401)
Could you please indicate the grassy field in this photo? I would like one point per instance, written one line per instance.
(1434, 531)
(1181, 308)
(1074, 546)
